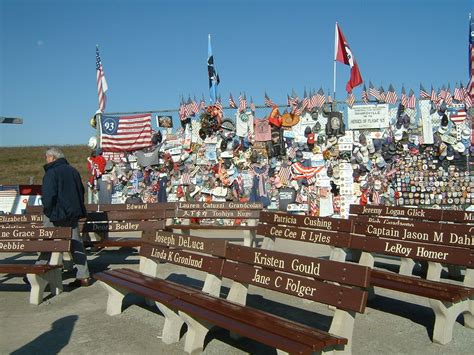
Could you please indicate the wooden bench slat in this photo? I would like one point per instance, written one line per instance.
(420, 287)
(26, 268)
(35, 245)
(210, 226)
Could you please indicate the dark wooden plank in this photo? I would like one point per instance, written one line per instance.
(220, 205)
(179, 257)
(415, 213)
(421, 232)
(128, 226)
(210, 246)
(28, 232)
(129, 207)
(126, 215)
(21, 269)
(346, 298)
(12, 245)
(338, 239)
(222, 213)
(343, 273)
(417, 251)
(412, 285)
(34, 209)
(322, 223)
(32, 225)
(21, 218)
(211, 226)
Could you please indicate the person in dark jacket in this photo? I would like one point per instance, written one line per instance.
(63, 206)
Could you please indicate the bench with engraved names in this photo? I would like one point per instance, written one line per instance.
(235, 216)
(119, 225)
(448, 300)
(328, 282)
(18, 240)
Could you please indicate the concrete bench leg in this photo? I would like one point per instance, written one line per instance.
(212, 285)
(268, 243)
(445, 317)
(343, 326)
(148, 267)
(196, 334)
(434, 271)
(238, 293)
(469, 282)
(38, 285)
(406, 266)
(173, 324)
(338, 254)
(115, 299)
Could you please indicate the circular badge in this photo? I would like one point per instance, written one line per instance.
(243, 117)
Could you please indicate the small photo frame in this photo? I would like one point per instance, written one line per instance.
(165, 121)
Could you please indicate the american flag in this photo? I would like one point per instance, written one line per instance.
(404, 99)
(126, 133)
(470, 85)
(423, 93)
(458, 93)
(186, 178)
(391, 97)
(434, 96)
(202, 104)
(188, 107)
(364, 95)
(350, 99)
(467, 98)
(305, 102)
(411, 102)
(329, 99)
(382, 94)
(449, 98)
(232, 103)
(242, 103)
(458, 117)
(268, 102)
(442, 94)
(293, 101)
(252, 105)
(195, 107)
(373, 91)
(320, 98)
(101, 82)
(375, 197)
(182, 110)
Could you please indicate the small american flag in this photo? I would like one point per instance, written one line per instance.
(375, 198)
(305, 102)
(102, 86)
(268, 102)
(470, 85)
(467, 98)
(411, 102)
(232, 103)
(458, 93)
(442, 94)
(126, 133)
(381, 94)
(202, 104)
(195, 107)
(423, 93)
(330, 100)
(391, 97)
(252, 105)
(182, 110)
(364, 95)
(186, 178)
(219, 103)
(373, 91)
(242, 103)
(458, 117)
(404, 99)
(434, 96)
(285, 174)
(449, 98)
(320, 98)
(350, 99)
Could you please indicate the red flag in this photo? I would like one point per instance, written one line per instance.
(344, 55)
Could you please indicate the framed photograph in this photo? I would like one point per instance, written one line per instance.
(165, 121)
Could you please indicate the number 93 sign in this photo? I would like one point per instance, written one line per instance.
(109, 125)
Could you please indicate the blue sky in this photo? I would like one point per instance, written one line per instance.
(155, 51)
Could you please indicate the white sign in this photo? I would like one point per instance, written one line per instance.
(368, 116)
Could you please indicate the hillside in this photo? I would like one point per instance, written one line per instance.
(24, 165)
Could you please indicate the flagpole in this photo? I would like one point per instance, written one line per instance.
(335, 54)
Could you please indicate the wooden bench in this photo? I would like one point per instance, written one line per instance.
(234, 216)
(120, 219)
(447, 300)
(329, 282)
(26, 239)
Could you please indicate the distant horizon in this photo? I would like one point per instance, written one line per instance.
(155, 52)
